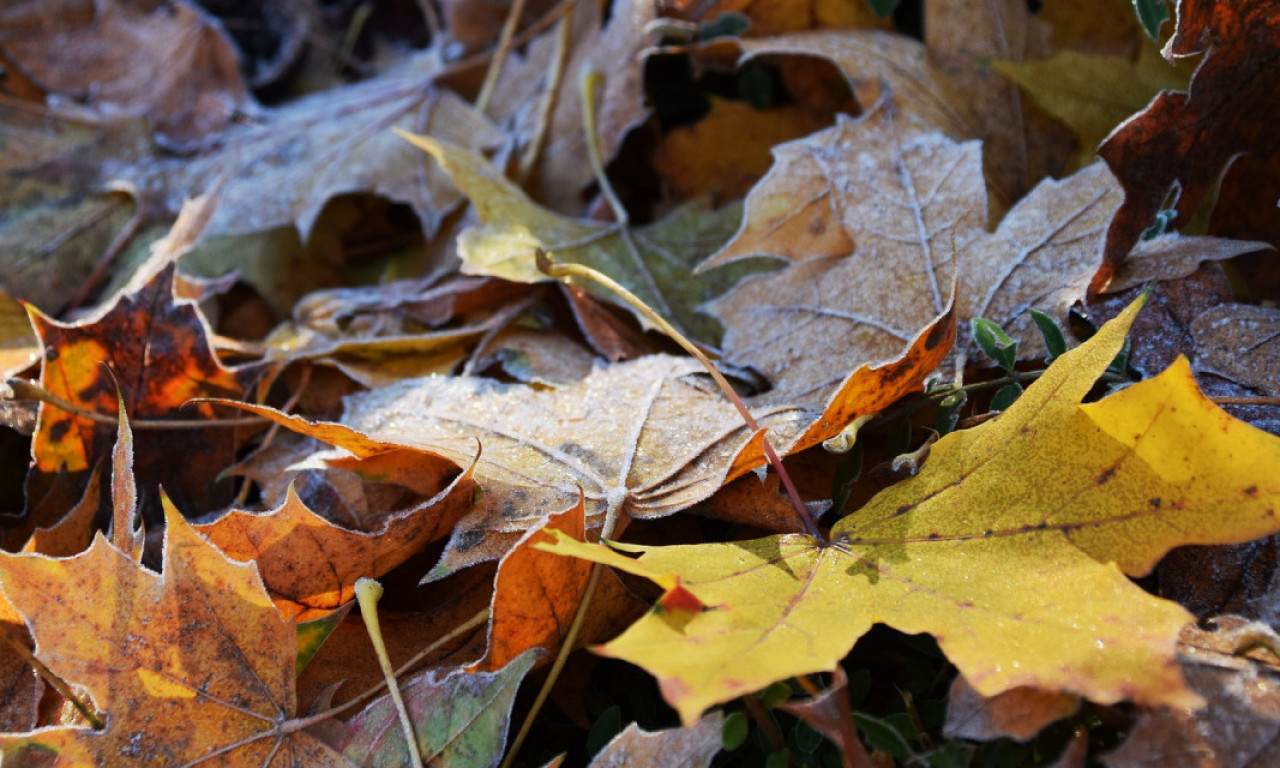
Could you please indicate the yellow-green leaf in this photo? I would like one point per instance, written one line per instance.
(655, 261)
(1010, 547)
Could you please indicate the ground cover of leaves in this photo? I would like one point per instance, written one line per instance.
(298, 295)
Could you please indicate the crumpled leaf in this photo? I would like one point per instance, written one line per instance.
(156, 349)
(653, 261)
(1010, 547)
(281, 170)
(1187, 137)
(1172, 256)
(109, 60)
(692, 747)
(460, 719)
(185, 667)
(869, 197)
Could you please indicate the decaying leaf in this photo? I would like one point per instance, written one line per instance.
(1241, 342)
(1240, 726)
(187, 667)
(1019, 713)
(536, 594)
(1010, 547)
(310, 566)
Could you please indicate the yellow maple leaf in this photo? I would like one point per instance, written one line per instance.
(1010, 547)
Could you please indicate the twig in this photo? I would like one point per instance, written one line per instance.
(499, 56)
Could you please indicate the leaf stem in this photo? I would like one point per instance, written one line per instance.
(53, 680)
(499, 56)
(368, 592)
(552, 268)
(25, 390)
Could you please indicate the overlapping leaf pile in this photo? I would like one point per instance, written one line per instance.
(219, 456)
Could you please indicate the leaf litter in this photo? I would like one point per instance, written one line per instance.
(484, 417)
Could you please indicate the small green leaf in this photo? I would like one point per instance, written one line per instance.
(993, 341)
(1121, 364)
(882, 735)
(1005, 396)
(1054, 340)
(776, 694)
(807, 740)
(312, 634)
(735, 730)
(949, 412)
(608, 725)
(779, 759)
(883, 7)
(1152, 13)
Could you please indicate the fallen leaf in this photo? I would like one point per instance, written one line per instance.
(185, 667)
(156, 350)
(171, 64)
(536, 594)
(460, 719)
(282, 170)
(1187, 137)
(1240, 726)
(19, 347)
(1241, 342)
(1019, 713)
(868, 197)
(609, 436)
(1093, 93)
(829, 713)
(310, 566)
(713, 156)
(1020, 578)
(692, 747)
(1172, 256)
(614, 49)
(654, 262)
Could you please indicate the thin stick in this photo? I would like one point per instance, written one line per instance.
(26, 390)
(549, 267)
(1246, 400)
(499, 56)
(555, 77)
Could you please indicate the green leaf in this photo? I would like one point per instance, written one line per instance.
(1152, 13)
(1005, 396)
(1054, 341)
(949, 412)
(735, 730)
(993, 341)
(881, 735)
(312, 634)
